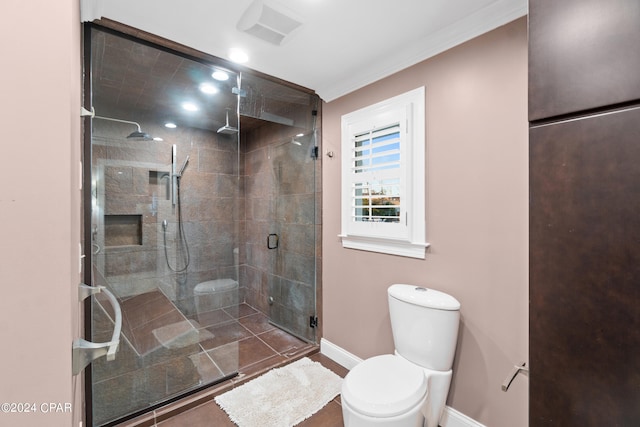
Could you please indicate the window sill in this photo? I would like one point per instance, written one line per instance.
(385, 246)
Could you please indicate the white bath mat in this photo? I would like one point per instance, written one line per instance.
(282, 397)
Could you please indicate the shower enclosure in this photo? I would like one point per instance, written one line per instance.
(202, 221)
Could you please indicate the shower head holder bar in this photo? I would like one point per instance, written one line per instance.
(139, 134)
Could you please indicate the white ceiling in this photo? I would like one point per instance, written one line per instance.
(342, 45)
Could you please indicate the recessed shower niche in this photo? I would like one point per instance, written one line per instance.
(122, 230)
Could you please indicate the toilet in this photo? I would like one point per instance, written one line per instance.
(214, 294)
(408, 388)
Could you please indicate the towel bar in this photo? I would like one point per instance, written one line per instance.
(517, 369)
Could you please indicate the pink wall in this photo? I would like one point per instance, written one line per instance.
(476, 215)
(477, 221)
(39, 208)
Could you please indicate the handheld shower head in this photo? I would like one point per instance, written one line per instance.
(184, 166)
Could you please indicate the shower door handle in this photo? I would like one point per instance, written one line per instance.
(272, 241)
(85, 352)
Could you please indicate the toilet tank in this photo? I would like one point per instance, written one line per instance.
(425, 325)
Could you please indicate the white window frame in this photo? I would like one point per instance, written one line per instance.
(408, 237)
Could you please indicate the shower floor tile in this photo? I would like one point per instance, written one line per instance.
(225, 333)
(283, 342)
(207, 370)
(239, 355)
(234, 339)
(144, 339)
(239, 311)
(211, 318)
(256, 323)
(143, 308)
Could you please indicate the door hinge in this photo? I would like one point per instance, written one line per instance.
(313, 321)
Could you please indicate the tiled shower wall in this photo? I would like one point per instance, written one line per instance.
(133, 179)
(278, 193)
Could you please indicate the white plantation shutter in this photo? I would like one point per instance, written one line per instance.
(382, 206)
(376, 176)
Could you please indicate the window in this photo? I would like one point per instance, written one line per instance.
(383, 189)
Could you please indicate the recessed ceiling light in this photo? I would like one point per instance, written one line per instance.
(238, 56)
(170, 125)
(209, 89)
(158, 139)
(220, 75)
(190, 106)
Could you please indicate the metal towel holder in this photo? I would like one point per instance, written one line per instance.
(517, 369)
(85, 352)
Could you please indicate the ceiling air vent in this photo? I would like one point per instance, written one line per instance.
(268, 21)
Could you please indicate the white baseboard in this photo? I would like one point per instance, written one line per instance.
(450, 417)
(338, 354)
(453, 418)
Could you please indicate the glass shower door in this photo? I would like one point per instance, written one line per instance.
(207, 232)
(165, 229)
(282, 194)
(293, 267)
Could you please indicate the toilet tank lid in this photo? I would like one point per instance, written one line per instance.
(423, 297)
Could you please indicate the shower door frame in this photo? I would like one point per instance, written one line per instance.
(87, 168)
(87, 218)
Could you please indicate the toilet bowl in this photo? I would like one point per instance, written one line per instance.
(214, 294)
(410, 387)
(384, 390)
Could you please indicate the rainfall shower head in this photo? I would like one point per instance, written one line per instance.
(140, 135)
(137, 135)
(226, 129)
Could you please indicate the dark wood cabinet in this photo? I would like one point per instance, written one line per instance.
(585, 272)
(583, 55)
(584, 225)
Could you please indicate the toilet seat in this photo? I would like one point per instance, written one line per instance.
(384, 386)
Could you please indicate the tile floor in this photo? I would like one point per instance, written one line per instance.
(237, 338)
(231, 339)
(210, 414)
